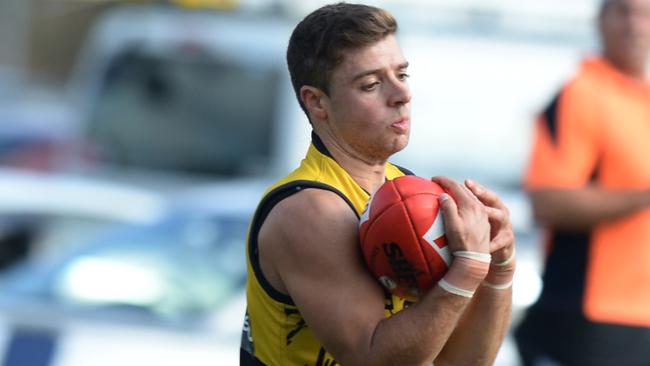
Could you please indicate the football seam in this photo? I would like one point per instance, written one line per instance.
(415, 233)
(372, 222)
(380, 213)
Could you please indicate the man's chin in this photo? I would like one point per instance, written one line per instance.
(400, 143)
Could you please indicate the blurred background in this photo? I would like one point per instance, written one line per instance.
(124, 211)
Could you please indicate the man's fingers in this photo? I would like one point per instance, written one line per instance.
(486, 196)
(449, 213)
(496, 214)
(504, 239)
(457, 191)
(502, 235)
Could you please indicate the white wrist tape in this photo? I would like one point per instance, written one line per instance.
(507, 261)
(504, 286)
(454, 290)
(477, 256)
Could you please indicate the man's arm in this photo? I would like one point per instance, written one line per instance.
(309, 249)
(566, 157)
(582, 208)
(480, 333)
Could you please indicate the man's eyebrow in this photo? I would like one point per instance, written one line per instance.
(375, 71)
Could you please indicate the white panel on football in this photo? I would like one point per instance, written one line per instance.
(437, 230)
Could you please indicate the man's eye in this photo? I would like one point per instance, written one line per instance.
(369, 87)
(404, 76)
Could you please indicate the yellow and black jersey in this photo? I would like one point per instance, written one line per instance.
(275, 333)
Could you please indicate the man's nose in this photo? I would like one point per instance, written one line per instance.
(401, 94)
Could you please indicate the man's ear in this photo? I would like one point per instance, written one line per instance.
(315, 101)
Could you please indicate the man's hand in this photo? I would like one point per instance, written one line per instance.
(467, 228)
(480, 331)
(466, 220)
(502, 238)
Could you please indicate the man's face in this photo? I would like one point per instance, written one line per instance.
(625, 30)
(369, 101)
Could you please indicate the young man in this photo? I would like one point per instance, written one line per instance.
(311, 300)
(589, 181)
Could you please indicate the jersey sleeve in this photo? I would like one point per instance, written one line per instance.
(566, 141)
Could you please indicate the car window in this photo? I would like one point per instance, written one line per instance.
(186, 111)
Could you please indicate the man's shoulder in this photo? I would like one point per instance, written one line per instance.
(585, 89)
(308, 222)
(592, 78)
(309, 203)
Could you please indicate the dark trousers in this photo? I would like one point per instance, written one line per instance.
(553, 338)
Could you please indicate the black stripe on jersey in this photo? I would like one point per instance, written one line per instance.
(319, 145)
(263, 210)
(246, 359)
(404, 170)
(300, 326)
(551, 117)
(325, 359)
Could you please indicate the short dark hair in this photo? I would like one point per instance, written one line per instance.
(317, 43)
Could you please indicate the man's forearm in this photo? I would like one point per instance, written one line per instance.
(578, 209)
(418, 334)
(481, 330)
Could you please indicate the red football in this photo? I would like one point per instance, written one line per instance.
(402, 236)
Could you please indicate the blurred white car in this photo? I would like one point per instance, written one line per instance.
(160, 286)
(168, 294)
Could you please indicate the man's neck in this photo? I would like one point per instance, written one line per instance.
(367, 173)
(637, 72)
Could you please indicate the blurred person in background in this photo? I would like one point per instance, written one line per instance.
(310, 299)
(589, 182)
